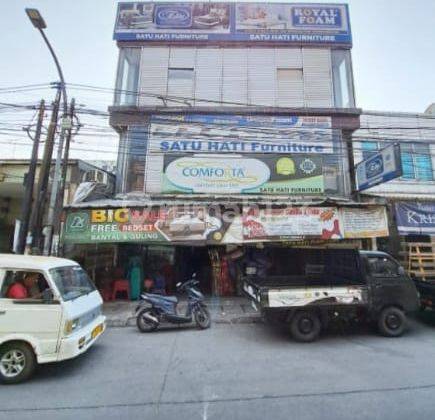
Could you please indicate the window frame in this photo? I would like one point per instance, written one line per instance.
(339, 57)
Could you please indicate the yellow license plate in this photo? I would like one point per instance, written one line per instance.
(97, 331)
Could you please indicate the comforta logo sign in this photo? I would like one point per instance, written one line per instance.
(215, 175)
(173, 17)
(317, 17)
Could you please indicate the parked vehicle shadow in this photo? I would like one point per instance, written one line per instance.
(427, 317)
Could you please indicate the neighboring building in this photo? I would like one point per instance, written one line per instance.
(227, 108)
(13, 173)
(411, 198)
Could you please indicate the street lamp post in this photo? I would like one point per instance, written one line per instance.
(39, 23)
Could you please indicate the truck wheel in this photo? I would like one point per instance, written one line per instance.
(305, 326)
(17, 362)
(392, 322)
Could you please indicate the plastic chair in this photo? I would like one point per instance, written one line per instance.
(121, 286)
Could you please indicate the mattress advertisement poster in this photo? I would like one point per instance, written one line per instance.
(296, 23)
(249, 174)
(291, 222)
(183, 224)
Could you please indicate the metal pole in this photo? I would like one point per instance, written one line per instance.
(63, 178)
(65, 127)
(26, 209)
(34, 233)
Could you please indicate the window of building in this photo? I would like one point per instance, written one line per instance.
(180, 82)
(127, 76)
(342, 79)
(416, 158)
(290, 87)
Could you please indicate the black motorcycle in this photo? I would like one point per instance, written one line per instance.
(164, 308)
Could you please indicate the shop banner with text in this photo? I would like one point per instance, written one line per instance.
(170, 224)
(292, 23)
(254, 174)
(415, 218)
(364, 223)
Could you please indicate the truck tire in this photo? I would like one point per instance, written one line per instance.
(391, 322)
(305, 326)
(17, 362)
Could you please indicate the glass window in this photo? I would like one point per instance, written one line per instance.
(382, 267)
(127, 77)
(416, 161)
(72, 281)
(343, 79)
(369, 148)
(23, 285)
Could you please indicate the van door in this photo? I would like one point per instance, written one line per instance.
(389, 285)
(25, 313)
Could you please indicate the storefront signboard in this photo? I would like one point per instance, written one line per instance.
(287, 223)
(364, 222)
(200, 225)
(253, 174)
(191, 224)
(415, 218)
(379, 168)
(292, 23)
(240, 134)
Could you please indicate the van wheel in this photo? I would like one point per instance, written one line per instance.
(305, 326)
(392, 322)
(17, 362)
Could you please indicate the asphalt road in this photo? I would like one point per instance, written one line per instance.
(245, 371)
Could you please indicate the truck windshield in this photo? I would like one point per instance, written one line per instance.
(72, 282)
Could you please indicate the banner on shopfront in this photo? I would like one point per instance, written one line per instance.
(142, 225)
(364, 222)
(253, 174)
(240, 134)
(415, 218)
(221, 224)
(295, 23)
(282, 224)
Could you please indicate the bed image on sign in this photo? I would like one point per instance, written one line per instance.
(318, 295)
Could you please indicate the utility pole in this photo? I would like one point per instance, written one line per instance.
(65, 128)
(26, 209)
(63, 178)
(34, 235)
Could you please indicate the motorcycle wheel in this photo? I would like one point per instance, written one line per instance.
(144, 324)
(202, 317)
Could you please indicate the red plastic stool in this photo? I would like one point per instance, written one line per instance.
(121, 286)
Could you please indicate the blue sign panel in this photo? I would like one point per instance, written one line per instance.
(316, 17)
(379, 168)
(239, 22)
(415, 218)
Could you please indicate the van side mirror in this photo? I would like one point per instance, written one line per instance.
(401, 271)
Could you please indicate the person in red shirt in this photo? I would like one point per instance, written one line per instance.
(17, 291)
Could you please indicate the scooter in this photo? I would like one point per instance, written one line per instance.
(164, 308)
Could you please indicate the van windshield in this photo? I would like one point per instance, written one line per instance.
(72, 281)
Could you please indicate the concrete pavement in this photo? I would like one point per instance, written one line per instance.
(236, 371)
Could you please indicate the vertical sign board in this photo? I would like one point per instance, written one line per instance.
(379, 168)
(294, 23)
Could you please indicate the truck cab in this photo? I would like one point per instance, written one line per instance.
(49, 311)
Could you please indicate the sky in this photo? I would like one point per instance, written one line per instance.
(393, 57)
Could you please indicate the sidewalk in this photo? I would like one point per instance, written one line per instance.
(231, 310)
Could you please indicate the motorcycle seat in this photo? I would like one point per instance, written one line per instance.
(172, 299)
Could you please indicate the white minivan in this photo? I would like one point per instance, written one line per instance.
(49, 311)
